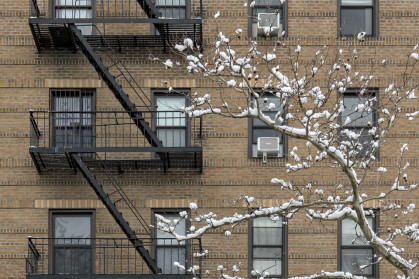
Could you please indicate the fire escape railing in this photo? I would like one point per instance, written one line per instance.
(125, 9)
(108, 256)
(112, 131)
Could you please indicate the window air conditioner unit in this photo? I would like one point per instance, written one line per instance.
(268, 146)
(268, 21)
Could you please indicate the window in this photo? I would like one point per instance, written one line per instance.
(172, 9)
(171, 124)
(168, 250)
(72, 118)
(268, 246)
(72, 251)
(357, 16)
(354, 251)
(267, 18)
(360, 122)
(76, 9)
(258, 129)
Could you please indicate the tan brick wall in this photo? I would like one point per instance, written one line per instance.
(26, 77)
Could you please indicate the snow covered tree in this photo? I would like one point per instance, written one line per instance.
(331, 108)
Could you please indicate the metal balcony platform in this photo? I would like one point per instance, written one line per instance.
(48, 34)
(108, 258)
(50, 160)
(115, 137)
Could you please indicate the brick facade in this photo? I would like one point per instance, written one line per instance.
(27, 76)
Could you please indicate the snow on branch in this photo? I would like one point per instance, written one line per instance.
(341, 121)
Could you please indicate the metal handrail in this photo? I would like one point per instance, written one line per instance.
(116, 61)
(34, 125)
(124, 197)
(35, 7)
(108, 129)
(107, 255)
(129, 9)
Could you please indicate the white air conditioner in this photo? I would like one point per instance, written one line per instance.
(269, 21)
(269, 146)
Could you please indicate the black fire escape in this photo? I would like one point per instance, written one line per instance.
(116, 140)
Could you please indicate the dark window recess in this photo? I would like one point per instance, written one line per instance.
(358, 16)
(354, 249)
(76, 9)
(259, 129)
(72, 118)
(171, 123)
(172, 8)
(71, 244)
(360, 122)
(267, 18)
(167, 249)
(267, 246)
(178, 9)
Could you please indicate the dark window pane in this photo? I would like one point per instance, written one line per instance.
(267, 3)
(72, 129)
(270, 114)
(352, 259)
(357, 118)
(353, 21)
(167, 238)
(267, 222)
(270, 253)
(267, 236)
(357, 2)
(257, 133)
(167, 256)
(363, 146)
(72, 226)
(73, 2)
(73, 137)
(168, 249)
(274, 267)
(268, 20)
(72, 260)
(352, 234)
(259, 129)
(170, 2)
(171, 123)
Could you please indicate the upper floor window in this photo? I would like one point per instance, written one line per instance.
(172, 125)
(172, 9)
(71, 245)
(358, 16)
(267, 18)
(167, 249)
(257, 129)
(75, 9)
(72, 117)
(268, 246)
(360, 116)
(354, 251)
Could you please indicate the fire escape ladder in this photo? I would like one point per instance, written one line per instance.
(120, 196)
(136, 116)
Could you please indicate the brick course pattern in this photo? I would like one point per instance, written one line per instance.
(27, 76)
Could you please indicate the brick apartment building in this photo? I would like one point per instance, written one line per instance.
(91, 147)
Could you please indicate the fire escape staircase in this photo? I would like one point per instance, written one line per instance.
(62, 34)
(116, 89)
(51, 32)
(113, 210)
